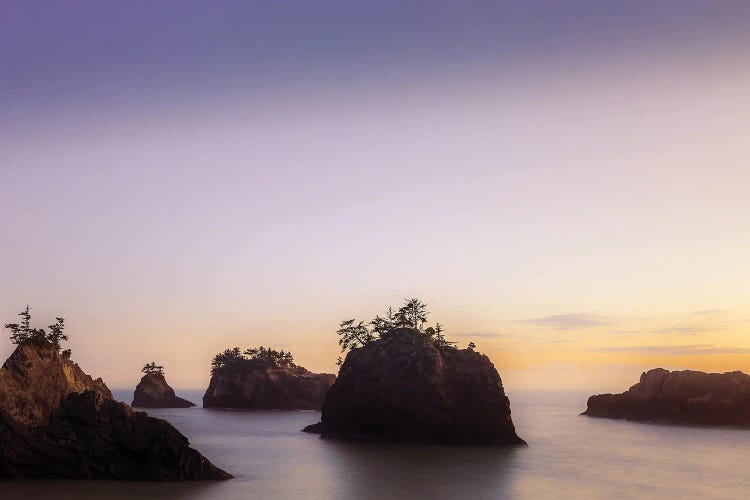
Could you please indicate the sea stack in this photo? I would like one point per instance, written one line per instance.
(58, 422)
(680, 397)
(405, 387)
(153, 391)
(264, 379)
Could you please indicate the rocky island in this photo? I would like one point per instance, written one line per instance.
(153, 391)
(264, 378)
(402, 383)
(680, 397)
(58, 422)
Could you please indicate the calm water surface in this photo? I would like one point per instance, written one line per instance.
(569, 456)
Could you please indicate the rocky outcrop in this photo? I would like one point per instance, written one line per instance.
(258, 386)
(405, 388)
(91, 437)
(35, 379)
(682, 397)
(154, 392)
(63, 424)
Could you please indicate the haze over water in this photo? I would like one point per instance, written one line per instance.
(569, 456)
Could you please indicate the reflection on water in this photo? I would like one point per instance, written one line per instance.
(568, 455)
(377, 471)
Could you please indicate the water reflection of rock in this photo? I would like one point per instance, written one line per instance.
(113, 490)
(367, 470)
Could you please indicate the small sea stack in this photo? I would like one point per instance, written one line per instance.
(680, 397)
(264, 379)
(153, 391)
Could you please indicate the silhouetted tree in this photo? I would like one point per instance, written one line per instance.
(270, 357)
(352, 336)
(22, 332)
(252, 357)
(439, 338)
(226, 358)
(339, 361)
(66, 354)
(381, 326)
(412, 314)
(153, 369)
(471, 346)
(56, 335)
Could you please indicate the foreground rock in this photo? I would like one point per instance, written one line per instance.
(154, 392)
(681, 397)
(35, 379)
(257, 386)
(57, 422)
(404, 388)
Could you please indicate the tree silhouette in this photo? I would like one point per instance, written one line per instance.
(352, 336)
(153, 369)
(471, 346)
(56, 335)
(412, 315)
(255, 357)
(22, 332)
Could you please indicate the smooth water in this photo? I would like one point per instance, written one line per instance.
(568, 456)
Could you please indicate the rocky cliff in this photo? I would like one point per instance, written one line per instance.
(688, 397)
(35, 379)
(154, 392)
(57, 422)
(405, 388)
(258, 386)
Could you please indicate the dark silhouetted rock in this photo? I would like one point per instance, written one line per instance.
(91, 437)
(404, 388)
(154, 392)
(681, 397)
(57, 422)
(257, 386)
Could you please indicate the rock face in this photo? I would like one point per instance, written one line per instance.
(404, 388)
(35, 379)
(258, 387)
(681, 397)
(154, 392)
(63, 424)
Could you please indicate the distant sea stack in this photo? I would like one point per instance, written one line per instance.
(408, 387)
(263, 378)
(154, 392)
(57, 422)
(680, 397)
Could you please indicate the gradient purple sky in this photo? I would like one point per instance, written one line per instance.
(565, 183)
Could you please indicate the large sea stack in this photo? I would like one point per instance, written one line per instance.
(154, 392)
(58, 422)
(257, 384)
(680, 397)
(404, 387)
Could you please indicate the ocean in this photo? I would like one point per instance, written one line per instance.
(569, 456)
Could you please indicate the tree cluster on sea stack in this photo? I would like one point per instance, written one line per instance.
(413, 314)
(153, 369)
(260, 357)
(21, 333)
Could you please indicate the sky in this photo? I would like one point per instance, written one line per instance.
(564, 183)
